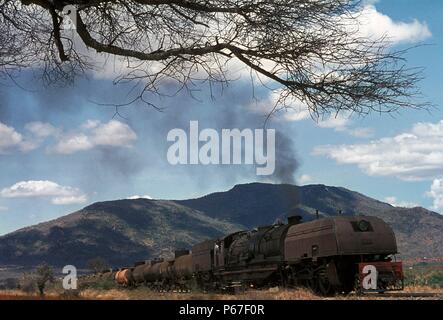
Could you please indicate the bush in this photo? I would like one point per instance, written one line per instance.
(104, 284)
(27, 283)
(425, 275)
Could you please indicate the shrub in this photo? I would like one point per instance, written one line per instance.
(27, 283)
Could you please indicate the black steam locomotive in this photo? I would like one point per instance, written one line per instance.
(329, 255)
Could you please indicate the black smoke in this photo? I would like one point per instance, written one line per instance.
(219, 109)
(286, 163)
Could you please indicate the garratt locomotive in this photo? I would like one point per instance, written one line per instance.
(328, 255)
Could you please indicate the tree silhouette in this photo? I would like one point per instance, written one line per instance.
(308, 51)
(43, 275)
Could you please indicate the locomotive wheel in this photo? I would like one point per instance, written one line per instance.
(324, 286)
(312, 284)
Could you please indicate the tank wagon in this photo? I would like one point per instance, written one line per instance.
(328, 255)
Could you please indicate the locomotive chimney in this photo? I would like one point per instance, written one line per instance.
(294, 219)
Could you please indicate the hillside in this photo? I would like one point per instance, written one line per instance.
(419, 231)
(258, 203)
(124, 231)
(120, 231)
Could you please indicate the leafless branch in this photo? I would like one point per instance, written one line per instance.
(310, 49)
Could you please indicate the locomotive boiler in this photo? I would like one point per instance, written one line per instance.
(328, 255)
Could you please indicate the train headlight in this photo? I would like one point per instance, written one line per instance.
(363, 225)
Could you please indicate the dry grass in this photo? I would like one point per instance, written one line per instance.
(20, 295)
(270, 294)
(146, 294)
(423, 289)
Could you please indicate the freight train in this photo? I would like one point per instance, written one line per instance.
(329, 255)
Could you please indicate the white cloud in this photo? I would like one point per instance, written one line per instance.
(41, 129)
(304, 179)
(44, 188)
(139, 197)
(297, 114)
(3, 208)
(414, 155)
(393, 201)
(436, 192)
(94, 133)
(376, 25)
(11, 140)
(91, 134)
(113, 133)
(343, 123)
(91, 124)
(69, 144)
(338, 122)
(296, 110)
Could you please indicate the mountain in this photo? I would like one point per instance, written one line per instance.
(419, 231)
(121, 232)
(259, 204)
(125, 231)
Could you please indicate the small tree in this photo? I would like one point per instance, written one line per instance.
(44, 274)
(97, 264)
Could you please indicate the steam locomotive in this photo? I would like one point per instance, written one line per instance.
(329, 255)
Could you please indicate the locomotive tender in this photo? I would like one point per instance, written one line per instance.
(328, 255)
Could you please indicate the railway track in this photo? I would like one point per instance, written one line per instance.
(405, 295)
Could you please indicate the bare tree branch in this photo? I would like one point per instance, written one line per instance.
(310, 49)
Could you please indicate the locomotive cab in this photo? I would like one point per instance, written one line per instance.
(333, 254)
(340, 236)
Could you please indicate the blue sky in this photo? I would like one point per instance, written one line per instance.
(59, 151)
